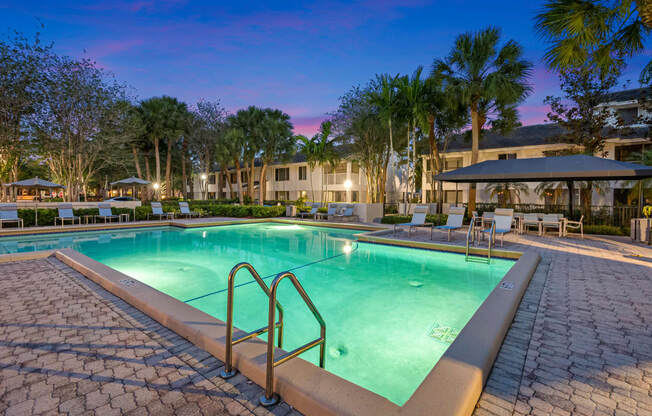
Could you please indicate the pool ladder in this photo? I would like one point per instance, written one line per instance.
(270, 398)
(470, 236)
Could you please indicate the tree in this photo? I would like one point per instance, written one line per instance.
(76, 125)
(595, 33)
(508, 193)
(232, 146)
(489, 80)
(383, 94)
(164, 118)
(277, 143)
(250, 122)
(319, 150)
(22, 70)
(206, 128)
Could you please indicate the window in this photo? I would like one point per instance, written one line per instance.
(505, 156)
(449, 197)
(234, 178)
(282, 195)
(243, 176)
(628, 115)
(212, 179)
(631, 153)
(303, 173)
(354, 196)
(453, 163)
(282, 174)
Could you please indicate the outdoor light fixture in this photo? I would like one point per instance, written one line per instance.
(203, 177)
(347, 184)
(156, 185)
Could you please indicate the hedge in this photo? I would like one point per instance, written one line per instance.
(436, 219)
(46, 215)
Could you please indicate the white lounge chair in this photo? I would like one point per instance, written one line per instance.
(311, 213)
(503, 220)
(184, 208)
(9, 214)
(574, 225)
(105, 213)
(453, 221)
(487, 217)
(157, 210)
(418, 220)
(530, 220)
(332, 209)
(345, 213)
(552, 221)
(66, 214)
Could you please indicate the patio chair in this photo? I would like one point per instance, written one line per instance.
(418, 220)
(551, 221)
(311, 213)
(332, 209)
(157, 210)
(453, 221)
(345, 213)
(9, 214)
(66, 214)
(530, 220)
(503, 220)
(184, 208)
(574, 225)
(486, 218)
(105, 213)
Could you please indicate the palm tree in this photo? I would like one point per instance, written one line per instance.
(640, 188)
(553, 190)
(278, 143)
(412, 90)
(385, 98)
(319, 150)
(163, 117)
(489, 80)
(233, 145)
(507, 193)
(602, 34)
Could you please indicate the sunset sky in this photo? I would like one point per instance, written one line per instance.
(296, 56)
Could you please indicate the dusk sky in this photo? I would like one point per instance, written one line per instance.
(296, 56)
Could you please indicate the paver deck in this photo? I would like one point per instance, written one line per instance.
(580, 343)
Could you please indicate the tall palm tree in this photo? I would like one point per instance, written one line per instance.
(490, 80)
(163, 118)
(385, 98)
(320, 150)
(602, 34)
(277, 143)
(233, 145)
(412, 92)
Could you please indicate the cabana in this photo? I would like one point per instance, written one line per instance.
(549, 169)
(30, 189)
(132, 182)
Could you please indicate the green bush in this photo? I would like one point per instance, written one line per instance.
(436, 219)
(605, 230)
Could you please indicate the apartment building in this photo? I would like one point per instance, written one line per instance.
(293, 180)
(538, 141)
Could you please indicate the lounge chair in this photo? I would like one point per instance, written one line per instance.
(157, 210)
(185, 210)
(530, 220)
(453, 221)
(311, 213)
(332, 210)
(503, 220)
(552, 221)
(106, 213)
(9, 214)
(418, 220)
(66, 214)
(574, 225)
(345, 213)
(487, 217)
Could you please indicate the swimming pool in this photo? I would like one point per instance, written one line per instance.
(390, 312)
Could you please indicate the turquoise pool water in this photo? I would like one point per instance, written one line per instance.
(390, 312)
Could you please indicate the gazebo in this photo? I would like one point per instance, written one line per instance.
(29, 189)
(131, 182)
(549, 169)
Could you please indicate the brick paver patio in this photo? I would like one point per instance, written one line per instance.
(581, 343)
(69, 347)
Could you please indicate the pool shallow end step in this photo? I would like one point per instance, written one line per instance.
(452, 387)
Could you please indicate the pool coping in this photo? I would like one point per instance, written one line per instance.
(453, 386)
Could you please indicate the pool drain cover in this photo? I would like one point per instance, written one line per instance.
(337, 352)
(445, 334)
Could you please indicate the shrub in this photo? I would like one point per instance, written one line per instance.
(436, 219)
(604, 230)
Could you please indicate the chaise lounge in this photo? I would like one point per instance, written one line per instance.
(453, 221)
(9, 214)
(66, 214)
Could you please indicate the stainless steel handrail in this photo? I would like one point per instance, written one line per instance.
(469, 237)
(492, 238)
(270, 398)
(228, 370)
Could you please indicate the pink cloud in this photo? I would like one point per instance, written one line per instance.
(533, 114)
(112, 47)
(307, 126)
